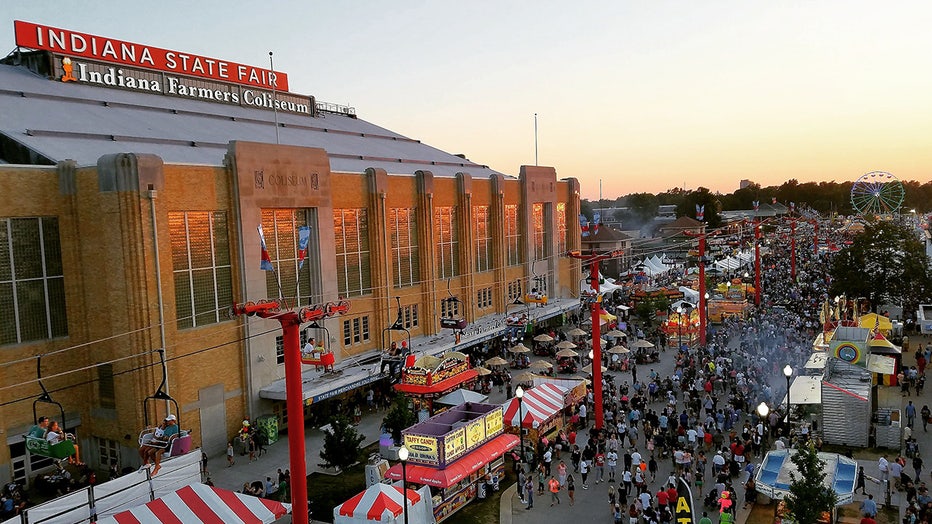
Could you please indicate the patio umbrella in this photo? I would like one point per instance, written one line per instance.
(588, 369)
(576, 332)
(616, 334)
(577, 377)
(541, 364)
(619, 350)
(484, 371)
(525, 378)
(567, 353)
(520, 348)
(543, 337)
(641, 344)
(496, 361)
(565, 344)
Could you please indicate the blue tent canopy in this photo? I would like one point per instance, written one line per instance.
(773, 476)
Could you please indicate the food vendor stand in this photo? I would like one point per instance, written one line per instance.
(544, 409)
(454, 452)
(430, 377)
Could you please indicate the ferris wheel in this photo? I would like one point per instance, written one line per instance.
(877, 193)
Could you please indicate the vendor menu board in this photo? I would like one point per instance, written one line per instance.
(422, 449)
(454, 444)
(475, 433)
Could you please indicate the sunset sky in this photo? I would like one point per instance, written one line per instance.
(645, 95)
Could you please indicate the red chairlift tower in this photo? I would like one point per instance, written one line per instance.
(291, 321)
(593, 260)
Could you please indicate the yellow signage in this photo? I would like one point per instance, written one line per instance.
(422, 449)
(493, 423)
(475, 433)
(454, 444)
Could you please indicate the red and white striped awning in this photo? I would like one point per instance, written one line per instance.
(540, 403)
(200, 503)
(379, 502)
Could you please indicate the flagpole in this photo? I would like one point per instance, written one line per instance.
(535, 139)
(274, 106)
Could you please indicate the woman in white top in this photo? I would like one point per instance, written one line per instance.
(56, 435)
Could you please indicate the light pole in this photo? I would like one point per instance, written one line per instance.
(745, 282)
(519, 393)
(403, 456)
(679, 327)
(706, 327)
(763, 410)
(788, 373)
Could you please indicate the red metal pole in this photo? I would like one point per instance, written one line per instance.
(702, 316)
(793, 250)
(295, 404)
(757, 261)
(596, 347)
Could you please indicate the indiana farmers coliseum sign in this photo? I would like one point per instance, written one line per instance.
(96, 60)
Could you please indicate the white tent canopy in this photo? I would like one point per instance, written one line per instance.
(384, 503)
(461, 396)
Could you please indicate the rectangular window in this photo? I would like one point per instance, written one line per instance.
(355, 331)
(32, 283)
(537, 217)
(201, 267)
(512, 235)
(409, 314)
(351, 232)
(403, 229)
(484, 298)
(281, 229)
(108, 451)
(280, 346)
(514, 291)
(105, 390)
(483, 238)
(561, 227)
(447, 239)
(449, 308)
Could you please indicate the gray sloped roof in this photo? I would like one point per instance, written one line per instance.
(80, 122)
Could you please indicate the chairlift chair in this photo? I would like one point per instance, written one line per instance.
(37, 445)
(453, 320)
(537, 295)
(395, 360)
(180, 443)
(319, 356)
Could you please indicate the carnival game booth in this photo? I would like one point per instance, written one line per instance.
(384, 503)
(543, 410)
(773, 476)
(453, 452)
(682, 328)
(430, 377)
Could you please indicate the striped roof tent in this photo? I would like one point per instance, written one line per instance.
(200, 503)
(540, 403)
(379, 502)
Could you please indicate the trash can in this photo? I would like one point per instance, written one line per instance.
(267, 426)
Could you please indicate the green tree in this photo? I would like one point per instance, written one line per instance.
(642, 206)
(341, 444)
(809, 497)
(886, 264)
(399, 417)
(701, 197)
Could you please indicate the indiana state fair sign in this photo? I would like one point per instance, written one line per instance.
(95, 60)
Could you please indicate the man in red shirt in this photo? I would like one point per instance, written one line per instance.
(671, 498)
(868, 520)
(662, 497)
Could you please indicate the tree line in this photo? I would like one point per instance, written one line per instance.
(824, 197)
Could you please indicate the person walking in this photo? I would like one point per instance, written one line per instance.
(230, 459)
(917, 465)
(561, 473)
(859, 484)
(910, 414)
(571, 489)
(584, 472)
(554, 486)
(925, 413)
(529, 493)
